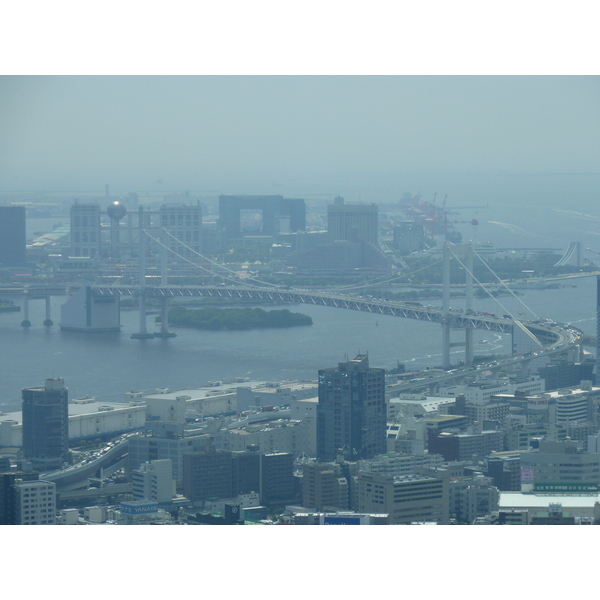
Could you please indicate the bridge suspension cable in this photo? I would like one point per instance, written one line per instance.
(272, 285)
(484, 288)
(505, 286)
(376, 281)
(263, 283)
(113, 261)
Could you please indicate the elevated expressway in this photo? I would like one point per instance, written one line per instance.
(77, 475)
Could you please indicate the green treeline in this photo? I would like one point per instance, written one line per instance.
(235, 318)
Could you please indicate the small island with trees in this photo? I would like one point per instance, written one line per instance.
(235, 318)
(8, 306)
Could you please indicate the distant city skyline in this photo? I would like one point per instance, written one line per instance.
(366, 137)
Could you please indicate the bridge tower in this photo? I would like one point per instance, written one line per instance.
(164, 323)
(448, 250)
(142, 334)
(142, 293)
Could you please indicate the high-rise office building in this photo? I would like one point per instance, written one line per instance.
(12, 235)
(407, 499)
(223, 474)
(409, 237)
(208, 474)
(9, 496)
(85, 230)
(7, 501)
(153, 481)
(352, 223)
(351, 414)
(46, 425)
(276, 477)
(246, 472)
(324, 487)
(183, 225)
(35, 502)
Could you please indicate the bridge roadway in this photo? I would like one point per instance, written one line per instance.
(552, 337)
(552, 334)
(411, 310)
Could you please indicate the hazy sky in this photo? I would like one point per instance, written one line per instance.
(321, 134)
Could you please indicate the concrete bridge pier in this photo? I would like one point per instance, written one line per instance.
(164, 325)
(445, 345)
(26, 322)
(143, 333)
(48, 321)
(469, 346)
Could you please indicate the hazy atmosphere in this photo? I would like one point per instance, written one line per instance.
(300, 264)
(365, 137)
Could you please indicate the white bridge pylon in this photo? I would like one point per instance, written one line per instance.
(467, 251)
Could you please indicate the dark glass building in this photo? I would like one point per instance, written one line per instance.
(7, 501)
(46, 425)
(12, 235)
(351, 414)
(224, 474)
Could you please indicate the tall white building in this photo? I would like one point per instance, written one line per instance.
(305, 410)
(154, 481)
(572, 405)
(35, 503)
(184, 223)
(85, 230)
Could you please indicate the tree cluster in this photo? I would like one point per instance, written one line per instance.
(235, 318)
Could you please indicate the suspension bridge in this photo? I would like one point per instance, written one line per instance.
(531, 339)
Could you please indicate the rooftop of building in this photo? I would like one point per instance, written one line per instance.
(553, 394)
(274, 388)
(524, 500)
(78, 408)
(191, 393)
(408, 478)
(429, 403)
(222, 388)
(445, 418)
